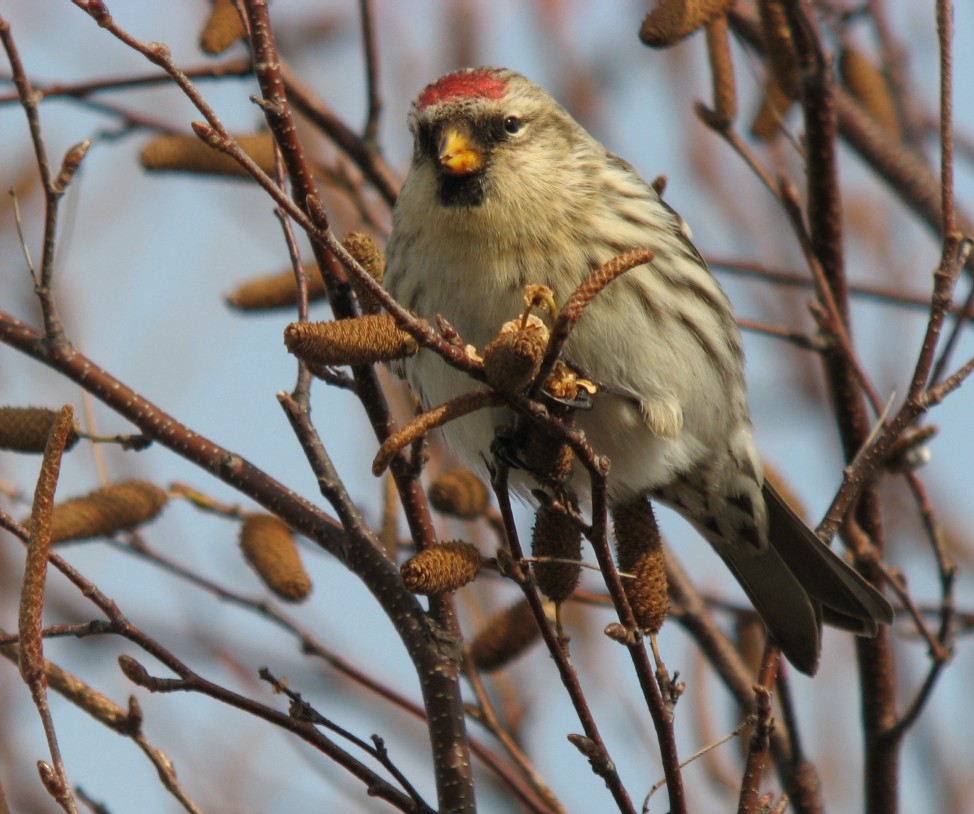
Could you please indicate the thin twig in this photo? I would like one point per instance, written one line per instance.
(331, 485)
(598, 754)
(239, 68)
(367, 17)
(651, 684)
(487, 716)
(964, 314)
(796, 279)
(32, 663)
(757, 747)
(797, 338)
(303, 711)
(455, 408)
(52, 192)
(945, 38)
(368, 160)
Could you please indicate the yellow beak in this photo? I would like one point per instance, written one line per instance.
(457, 155)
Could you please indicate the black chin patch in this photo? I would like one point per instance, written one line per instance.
(462, 190)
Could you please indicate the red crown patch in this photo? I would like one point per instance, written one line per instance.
(477, 84)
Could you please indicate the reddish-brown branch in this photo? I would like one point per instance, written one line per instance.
(945, 37)
(30, 619)
(689, 609)
(311, 645)
(190, 681)
(366, 158)
(795, 279)
(437, 667)
(822, 174)
(377, 572)
(371, 129)
(53, 193)
(599, 757)
(906, 171)
(757, 747)
(235, 68)
(964, 314)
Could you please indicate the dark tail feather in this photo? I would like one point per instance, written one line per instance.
(791, 616)
(848, 601)
(798, 582)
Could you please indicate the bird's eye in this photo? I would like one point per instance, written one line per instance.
(512, 124)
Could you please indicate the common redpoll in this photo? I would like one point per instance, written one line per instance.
(507, 189)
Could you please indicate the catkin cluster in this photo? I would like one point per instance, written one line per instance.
(459, 493)
(25, 429)
(674, 20)
(556, 535)
(268, 545)
(179, 153)
(639, 549)
(441, 568)
(360, 341)
(121, 506)
(512, 359)
(504, 637)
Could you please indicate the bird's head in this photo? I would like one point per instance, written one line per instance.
(481, 132)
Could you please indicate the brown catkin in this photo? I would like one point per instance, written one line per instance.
(721, 70)
(275, 290)
(647, 590)
(673, 20)
(547, 457)
(441, 568)
(780, 47)
(504, 637)
(774, 105)
(178, 153)
(358, 341)
(639, 550)
(222, 29)
(556, 535)
(268, 544)
(120, 507)
(459, 493)
(25, 429)
(513, 358)
(366, 251)
(868, 84)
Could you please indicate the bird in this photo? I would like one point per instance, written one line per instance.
(506, 189)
